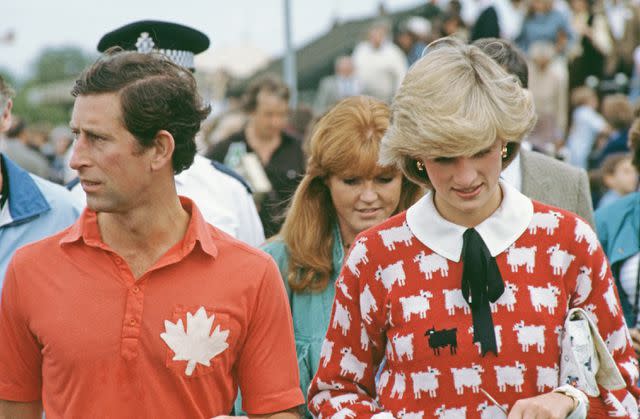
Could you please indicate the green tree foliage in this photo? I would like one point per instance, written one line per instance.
(45, 96)
(60, 63)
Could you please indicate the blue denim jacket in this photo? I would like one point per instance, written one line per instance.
(35, 209)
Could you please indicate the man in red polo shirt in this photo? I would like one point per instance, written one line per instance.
(141, 308)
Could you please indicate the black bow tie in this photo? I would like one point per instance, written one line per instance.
(481, 284)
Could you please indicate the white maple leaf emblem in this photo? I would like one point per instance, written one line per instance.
(195, 345)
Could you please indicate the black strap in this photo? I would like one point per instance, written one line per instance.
(481, 284)
(4, 193)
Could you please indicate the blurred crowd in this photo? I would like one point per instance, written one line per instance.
(584, 75)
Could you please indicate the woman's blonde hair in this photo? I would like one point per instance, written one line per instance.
(455, 101)
(345, 142)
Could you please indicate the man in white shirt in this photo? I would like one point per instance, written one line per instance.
(223, 197)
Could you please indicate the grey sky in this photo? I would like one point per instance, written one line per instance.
(38, 24)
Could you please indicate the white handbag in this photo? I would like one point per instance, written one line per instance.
(585, 361)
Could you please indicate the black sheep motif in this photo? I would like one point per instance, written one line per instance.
(441, 339)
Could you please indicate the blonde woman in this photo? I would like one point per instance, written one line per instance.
(343, 192)
(467, 289)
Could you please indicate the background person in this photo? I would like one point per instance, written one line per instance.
(280, 154)
(343, 192)
(31, 208)
(223, 197)
(618, 227)
(532, 173)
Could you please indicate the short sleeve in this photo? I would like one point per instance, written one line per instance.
(268, 368)
(20, 352)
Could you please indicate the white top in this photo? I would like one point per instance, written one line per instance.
(628, 277)
(586, 126)
(380, 70)
(223, 201)
(499, 231)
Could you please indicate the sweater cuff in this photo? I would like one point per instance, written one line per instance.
(581, 409)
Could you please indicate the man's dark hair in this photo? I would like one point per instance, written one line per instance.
(270, 84)
(507, 55)
(155, 94)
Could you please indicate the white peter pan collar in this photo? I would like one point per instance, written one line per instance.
(499, 231)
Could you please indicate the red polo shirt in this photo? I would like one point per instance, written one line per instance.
(79, 332)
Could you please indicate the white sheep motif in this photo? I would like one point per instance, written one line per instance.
(559, 259)
(403, 414)
(425, 381)
(611, 300)
(490, 411)
(452, 413)
(548, 221)
(403, 346)
(467, 377)
(529, 335)
(416, 304)
(507, 299)
(510, 375)
(399, 386)
(367, 304)
(583, 231)
(547, 377)
(522, 256)
(341, 318)
(583, 284)
(325, 352)
(349, 364)
(393, 235)
(453, 299)
(544, 297)
(391, 274)
(357, 256)
(428, 264)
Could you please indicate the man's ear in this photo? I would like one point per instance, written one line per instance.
(163, 148)
(5, 118)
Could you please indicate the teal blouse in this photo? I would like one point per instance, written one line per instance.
(311, 311)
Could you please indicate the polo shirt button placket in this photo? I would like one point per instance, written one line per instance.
(132, 321)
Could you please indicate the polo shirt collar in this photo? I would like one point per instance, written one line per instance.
(86, 228)
(499, 231)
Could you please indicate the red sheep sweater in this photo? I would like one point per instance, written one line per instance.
(399, 296)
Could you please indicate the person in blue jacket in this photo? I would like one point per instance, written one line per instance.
(618, 227)
(31, 208)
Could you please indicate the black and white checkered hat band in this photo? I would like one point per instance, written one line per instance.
(184, 58)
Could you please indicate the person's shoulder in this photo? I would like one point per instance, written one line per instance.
(36, 250)
(218, 150)
(232, 178)
(274, 246)
(545, 162)
(395, 221)
(618, 209)
(238, 250)
(545, 214)
(57, 196)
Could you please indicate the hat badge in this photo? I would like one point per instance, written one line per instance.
(145, 43)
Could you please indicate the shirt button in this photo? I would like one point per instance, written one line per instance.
(135, 289)
(132, 322)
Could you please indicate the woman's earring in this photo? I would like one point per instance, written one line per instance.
(505, 152)
(419, 166)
